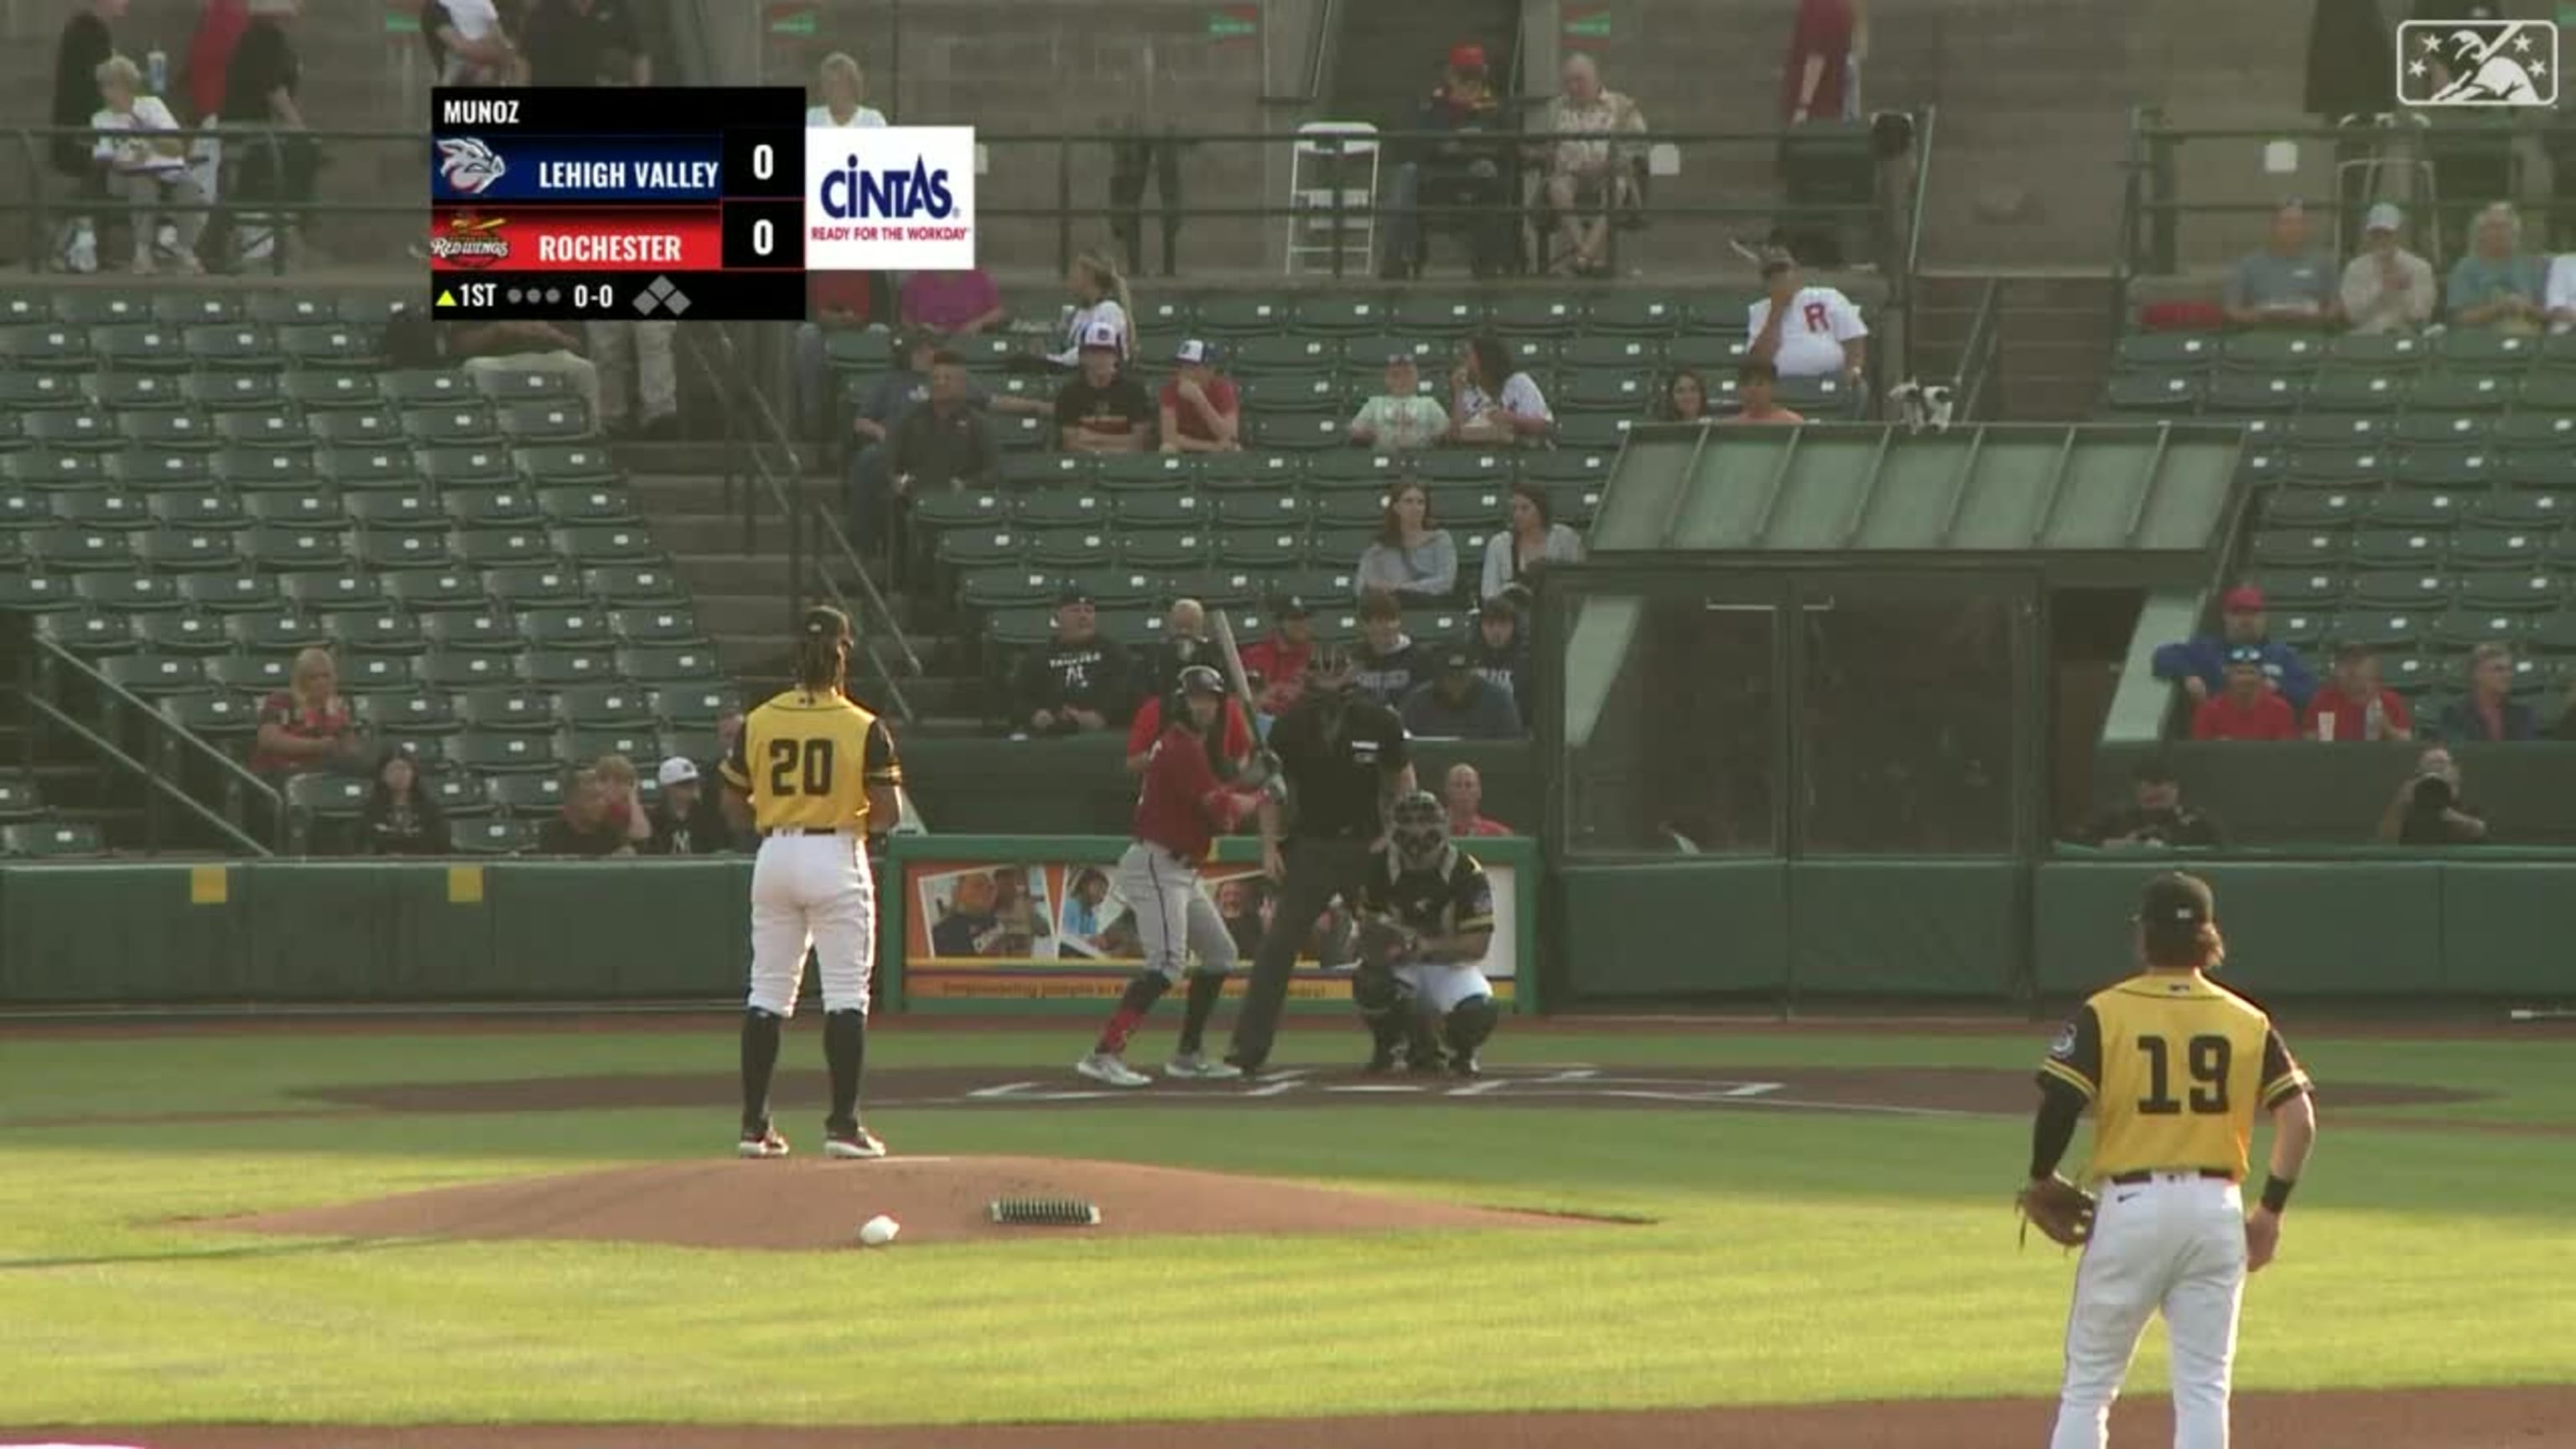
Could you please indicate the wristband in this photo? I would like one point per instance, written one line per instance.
(2276, 1193)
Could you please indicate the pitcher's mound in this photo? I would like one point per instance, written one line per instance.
(803, 1204)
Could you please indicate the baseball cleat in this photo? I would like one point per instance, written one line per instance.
(1244, 1070)
(1465, 1065)
(1425, 1065)
(763, 1143)
(1103, 1067)
(1195, 1067)
(858, 1144)
(1381, 1063)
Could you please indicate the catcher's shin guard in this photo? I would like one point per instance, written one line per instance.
(1468, 1024)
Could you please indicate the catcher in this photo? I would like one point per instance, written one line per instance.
(1426, 919)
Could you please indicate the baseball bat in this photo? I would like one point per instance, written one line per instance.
(1234, 674)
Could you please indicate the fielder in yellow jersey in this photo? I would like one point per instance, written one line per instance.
(814, 772)
(2174, 1066)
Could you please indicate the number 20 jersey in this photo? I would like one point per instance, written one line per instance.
(2175, 1066)
(806, 762)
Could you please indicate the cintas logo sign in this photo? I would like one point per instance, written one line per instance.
(898, 198)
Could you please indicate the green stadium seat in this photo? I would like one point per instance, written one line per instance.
(330, 343)
(1262, 511)
(511, 709)
(454, 425)
(2428, 429)
(512, 548)
(1254, 468)
(1348, 508)
(1530, 352)
(1622, 354)
(231, 346)
(509, 754)
(106, 508)
(1639, 313)
(307, 508)
(2524, 507)
(1354, 470)
(74, 549)
(1364, 357)
(2379, 349)
(191, 550)
(524, 386)
(282, 427)
(2398, 548)
(28, 391)
(463, 797)
(139, 392)
(91, 429)
(644, 583)
(234, 392)
(521, 585)
(607, 707)
(1169, 314)
(1165, 550)
(1011, 630)
(2336, 430)
(2162, 352)
(587, 504)
(492, 835)
(335, 588)
(2302, 588)
(2418, 676)
(1341, 316)
(22, 592)
(52, 840)
(448, 667)
(173, 430)
(325, 392)
(433, 592)
(91, 632)
(562, 668)
(25, 306)
(1612, 392)
(550, 420)
(1714, 358)
(654, 624)
(1071, 548)
(1592, 432)
(470, 467)
(944, 510)
(2489, 547)
(204, 508)
(1291, 392)
(1025, 431)
(154, 469)
(252, 676)
(2435, 508)
(1298, 432)
(1437, 314)
(2357, 469)
(2387, 629)
(1573, 504)
(2153, 392)
(217, 716)
(1340, 547)
(414, 506)
(2466, 467)
(1137, 628)
(668, 664)
(694, 705)
(2229, 393)
(1298, 356)
(1114, 587)
(280, 630)
(2299, 548)
(1060, 508)
(151, 675)
(638, 743)
(20, 798)
(607, 543)
(982, 547)
(1008, 586)
(2272, 353)
(23, 508)
(1259, 548)
(2407, 589)
(491, 508)
(238, 593)
(427, 387)
(378, 674)
(1243, 316)
(2478, 350)
(46, 347)
(2464, 392)
(1162, 510)
(252, 469)
(290, 548)
(1217, 588)
(1039, 470)
(2350, 390)
(1551, 314)
(573, 627)
(140, 347)
(2466, 626)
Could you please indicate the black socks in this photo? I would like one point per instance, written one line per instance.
(845, 1051)
(759, 1063)
(1205, 988)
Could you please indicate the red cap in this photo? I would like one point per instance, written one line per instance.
(1464, 58)
(2243, 599)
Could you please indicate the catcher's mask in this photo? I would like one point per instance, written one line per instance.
(1418, 830)
(1329, 672)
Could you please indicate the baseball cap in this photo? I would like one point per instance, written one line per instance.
(2243, 599)
(677, 770)
(1465, 58)
(2384, 217)
(1193, 351)
(1073, 592)
(2245, 654)
(2176, 904)
(1199, 679)
(1401, 359)
(1104, 334)
(825, 622)
(1455, 661)
(2153, 770)
(1777, 259)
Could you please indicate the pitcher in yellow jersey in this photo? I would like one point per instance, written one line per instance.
(814, 772)
(2175, 1067)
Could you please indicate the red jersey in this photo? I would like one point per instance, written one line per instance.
(1823, 31)
(1481, 825)
(1182, 807)
(1236, 743)
(2335, 715)
(330, 722)
(2268, 718)
(1282, 667)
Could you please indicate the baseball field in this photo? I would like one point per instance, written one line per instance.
(476, 1233)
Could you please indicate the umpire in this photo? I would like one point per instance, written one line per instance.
(1342, 758)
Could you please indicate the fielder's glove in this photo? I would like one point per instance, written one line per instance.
(2061, 1211)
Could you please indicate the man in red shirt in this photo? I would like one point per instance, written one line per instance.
(1281, 659)
(2248, 708)
(1464, 793)
(1821, 45)
(2354, 706)
(1200, 411)
(1233, 744)
(1180, 810)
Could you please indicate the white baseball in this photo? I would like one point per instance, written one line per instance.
(878, 1231)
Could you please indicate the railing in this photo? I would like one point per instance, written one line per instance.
(168, 749)
(1321, 55)
(1926, 122)
(1978, 359)
(815, 541)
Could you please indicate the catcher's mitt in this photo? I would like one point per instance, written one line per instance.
(2061, 1211)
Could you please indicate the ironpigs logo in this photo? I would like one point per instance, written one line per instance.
(470, 242)
(468, 166)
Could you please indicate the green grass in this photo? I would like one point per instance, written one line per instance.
(1794, 1256)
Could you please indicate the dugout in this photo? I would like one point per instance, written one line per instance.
(1825, 689)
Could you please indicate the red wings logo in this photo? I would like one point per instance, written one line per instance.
(470, 241)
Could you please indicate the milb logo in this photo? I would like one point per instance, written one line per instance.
(900, 197)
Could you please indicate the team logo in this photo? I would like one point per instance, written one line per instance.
(2477, 63)
(898, 198)
(2063, 1047)
(468, 166)
(470, 241)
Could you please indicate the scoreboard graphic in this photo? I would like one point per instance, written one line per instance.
(617, 204)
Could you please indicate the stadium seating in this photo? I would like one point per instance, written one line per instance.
(2410, 493)
(195, 486)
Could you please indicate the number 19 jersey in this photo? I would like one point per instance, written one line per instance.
(2175, 1066)
(806, 762)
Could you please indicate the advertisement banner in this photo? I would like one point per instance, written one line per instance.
(1044, 921)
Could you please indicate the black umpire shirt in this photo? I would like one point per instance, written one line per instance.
(568, 47)
(1335, 786)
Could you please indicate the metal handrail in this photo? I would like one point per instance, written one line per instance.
(1978, 354)
(169, 741)
(804, 521)
(1909, 272)
(1320, 57)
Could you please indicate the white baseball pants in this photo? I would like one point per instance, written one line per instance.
(2174, 1243)
(1174, 917)
(812, 891)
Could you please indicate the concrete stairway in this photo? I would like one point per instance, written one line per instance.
(2054, 335)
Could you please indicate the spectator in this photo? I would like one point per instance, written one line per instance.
(1457, 172)
(2489, 711)
(1077, 682)
(1463, 791)
(2199, 664)
(835, 302)
(1401, 418)
(2388, 288)
(2246, 707)
(2285, 284)
(1805, 331)
(625, 789)
(1385, 664)
(1200, 411)
(1531, 540)
(1756, 394)
(1589, 174)
(890, 395)
(1185, 642)
(584, 43)
(1080, 920)
(145, 154)
(503, 347)
(586, 826)
(636, 362)
(1685, 398)
(2155, 817)
(1103, 409)
(210, 53)
(2495, 284)
(1101, 308)
(87, 42)
(2354, 705)
(468, 44)
(1239, 902)
(271, 175)
(1281, 659)
(1410, 559)
(1458, 704)
(970, 927)
(1500, 650)
(952, 304)
(1496, 402)
(399, 817)
(841, 85)
(1023, 924)
(945, 446)
(686, 821)
(307, 726)
(1823, 41)
(2428, 809)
